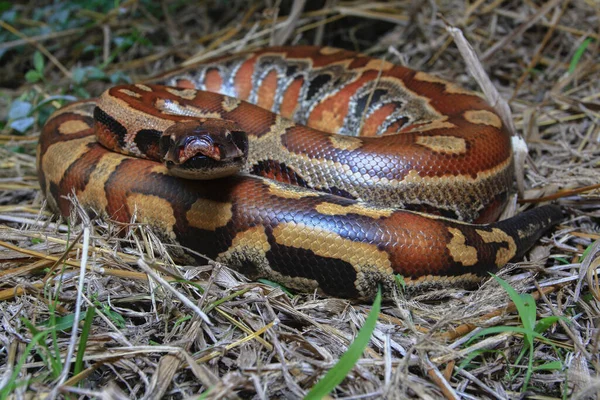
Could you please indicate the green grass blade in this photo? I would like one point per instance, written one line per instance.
(525, 304)
(277, 285)
(12, 381)
(551, 366)
(578, 54)
(85, 333)
(543, 324)
(339, 371)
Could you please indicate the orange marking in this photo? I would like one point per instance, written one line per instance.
(376, 119)
(267, 90)
(290, 98)
(185, 84)
(243, 79)
(213, 81)
(328, 115)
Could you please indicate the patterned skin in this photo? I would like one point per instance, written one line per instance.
(424, 144)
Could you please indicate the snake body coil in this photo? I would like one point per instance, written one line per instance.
(369, 138)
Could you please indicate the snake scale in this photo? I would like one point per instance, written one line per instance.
(357, 170)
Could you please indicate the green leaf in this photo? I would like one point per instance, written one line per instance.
(562, 260)
(525, 304)
(529, 312)
(400, 282)
(19, 109)
(22, 124)
(114, 316)
(339, 371)
(5, 6)
(551, 366)
(38, 62)
(543, 324)
(588, 249)
(78, 75)
(119, 76)
(182, 320)
(32, 76)
(95, 73)
(60, 324)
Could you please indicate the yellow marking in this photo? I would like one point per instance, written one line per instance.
(409, 188)
(59, 157)
(248, 250)
(483, 117)
(378, 65)
(159, 169)
(459, 251)
(131, 118)
(440, 123)
(331, 121)
(342, 142)
(503, 255)
(289, 191)
(443, 144)
(94, 192)
(451, 88)
(329, 50)
(188, 94)
(364, 257)
(209, 214)
(175, 108)
(413, 176)
(359, 209)
(254, 238)
(73, 126)
(230, 103)
(143, 87)
(153, 210)
(130, 93)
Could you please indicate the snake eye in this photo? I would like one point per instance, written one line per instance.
(165, 143)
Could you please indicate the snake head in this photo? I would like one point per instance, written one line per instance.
(204, 148)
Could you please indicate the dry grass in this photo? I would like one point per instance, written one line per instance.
(149, 337)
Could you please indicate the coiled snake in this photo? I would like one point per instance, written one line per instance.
(321, 203)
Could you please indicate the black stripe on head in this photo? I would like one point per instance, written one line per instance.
(111, 124)
(147, 141)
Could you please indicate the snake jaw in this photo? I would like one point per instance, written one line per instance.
(195, 146)
(204, 148)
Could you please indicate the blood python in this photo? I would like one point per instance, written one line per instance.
(321, 203)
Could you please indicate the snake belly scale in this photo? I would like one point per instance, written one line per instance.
(341, 147)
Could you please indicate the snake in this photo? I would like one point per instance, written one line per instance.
(335, 172)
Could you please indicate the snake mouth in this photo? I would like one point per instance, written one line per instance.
(202, 167)
(204, 149)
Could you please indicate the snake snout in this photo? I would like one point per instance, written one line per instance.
(204, 148)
